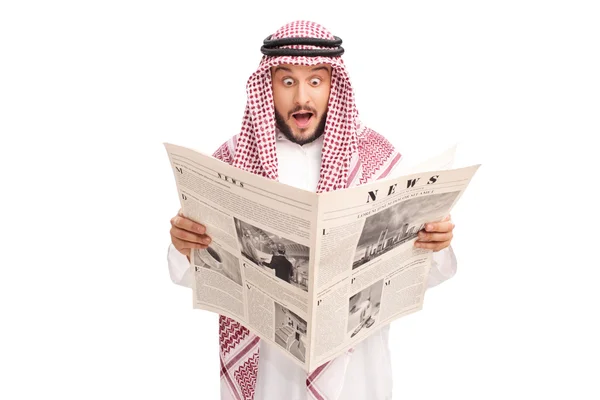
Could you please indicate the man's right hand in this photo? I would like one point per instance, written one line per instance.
(187, 235)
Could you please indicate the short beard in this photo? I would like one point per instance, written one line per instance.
(287, 131)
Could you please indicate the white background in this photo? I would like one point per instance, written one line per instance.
(89, 91)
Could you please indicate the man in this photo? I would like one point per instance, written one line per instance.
(301, 127)
(280, 263)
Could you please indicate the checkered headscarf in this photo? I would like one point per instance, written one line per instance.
(352, 155)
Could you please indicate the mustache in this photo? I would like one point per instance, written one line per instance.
(302, 108)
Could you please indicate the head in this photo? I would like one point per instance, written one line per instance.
(281, 248)
(302, 88)
(300, 97)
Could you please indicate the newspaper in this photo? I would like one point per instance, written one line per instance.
(312, 273)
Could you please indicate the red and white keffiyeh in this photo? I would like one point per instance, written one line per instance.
(352, 155)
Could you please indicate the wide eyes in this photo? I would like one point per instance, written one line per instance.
(290, 82)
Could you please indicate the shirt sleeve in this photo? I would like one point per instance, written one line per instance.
(443, 267)
(179, 267)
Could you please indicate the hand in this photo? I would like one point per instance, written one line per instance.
(187, 235)
(436, 236)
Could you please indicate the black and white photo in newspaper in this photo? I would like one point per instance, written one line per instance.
(398, 224)
(291, 332)
(279, 256)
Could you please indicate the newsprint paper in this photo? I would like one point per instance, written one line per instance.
(312, 273)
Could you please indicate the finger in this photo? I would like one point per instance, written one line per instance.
(435, 237)
(188, 225)
(435, 246)
(184, 247)
(439, 226)
(189, 236)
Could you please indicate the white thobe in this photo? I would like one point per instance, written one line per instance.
(364, 374)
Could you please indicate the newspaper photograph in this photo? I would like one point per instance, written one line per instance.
(398, 224)
(219, 260)
(363, 308)
(285, 259)
(290, 332)
(312, 273)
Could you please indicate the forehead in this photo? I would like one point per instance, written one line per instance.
(300, 69)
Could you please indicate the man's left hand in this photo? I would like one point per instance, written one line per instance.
(436, 236)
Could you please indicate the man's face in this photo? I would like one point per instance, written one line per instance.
(301, 94)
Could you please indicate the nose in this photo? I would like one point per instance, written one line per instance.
(302, 96)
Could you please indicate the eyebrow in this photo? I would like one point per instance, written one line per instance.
(280, 68)
(320, 68)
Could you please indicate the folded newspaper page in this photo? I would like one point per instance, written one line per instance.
(313, 274)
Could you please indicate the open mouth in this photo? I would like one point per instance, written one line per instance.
(303, 118)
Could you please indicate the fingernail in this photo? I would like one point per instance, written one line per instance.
(428, 227)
